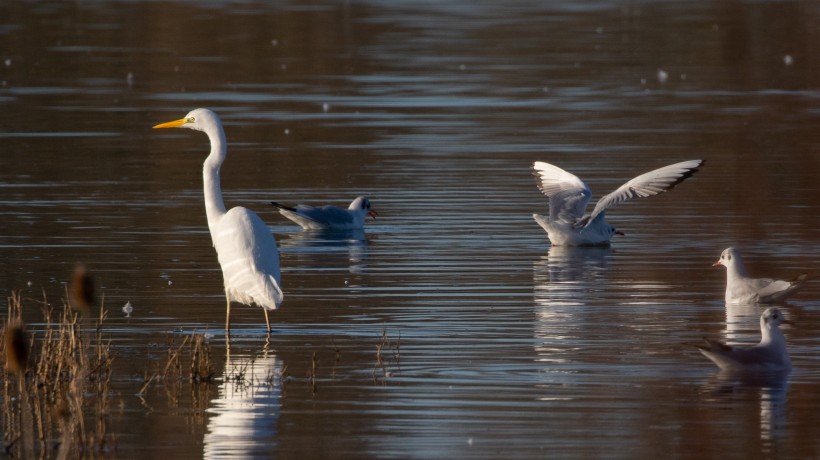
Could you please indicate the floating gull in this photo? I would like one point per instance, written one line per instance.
(329, 217)
(769, 355)
(568, 225)
(741, 289)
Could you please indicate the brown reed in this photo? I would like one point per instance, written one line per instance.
(63, 384)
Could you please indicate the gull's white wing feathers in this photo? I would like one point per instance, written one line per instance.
(325, 217)
(648, 184)
(732, 358)
(568, 194)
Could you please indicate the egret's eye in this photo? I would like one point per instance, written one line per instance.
(190, 120)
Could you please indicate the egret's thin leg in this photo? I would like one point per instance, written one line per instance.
(228, 315)
(267, 321)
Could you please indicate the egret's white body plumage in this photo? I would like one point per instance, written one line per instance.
(567, 225)
(768, 355)
(245, 247)
(742, 289)
(329, 217)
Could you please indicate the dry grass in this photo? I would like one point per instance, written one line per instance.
(57, 384)
(388, 356)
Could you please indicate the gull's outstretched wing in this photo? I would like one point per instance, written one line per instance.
(568, 194)
(648, 184)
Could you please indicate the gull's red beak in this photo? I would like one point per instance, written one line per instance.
(618, 232)
(372, 213)
(716, 264)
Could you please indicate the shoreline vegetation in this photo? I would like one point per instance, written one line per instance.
(57, 379)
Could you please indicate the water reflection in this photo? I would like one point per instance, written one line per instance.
(352, 245)
(742, 323)
(562, 281)
(564, 264)
(244, 417)
(769, 391)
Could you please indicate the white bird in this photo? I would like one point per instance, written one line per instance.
(741, 289)
(329, 217)
(768, 355)
(245, 247)
(567, 225)
(128, 309)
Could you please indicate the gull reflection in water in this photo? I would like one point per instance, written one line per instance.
(337, 248)
(561, 281)
(743, 324)
(243, 419)
(769, 389)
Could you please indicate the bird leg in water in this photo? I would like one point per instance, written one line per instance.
(228, 315)
(267, 322)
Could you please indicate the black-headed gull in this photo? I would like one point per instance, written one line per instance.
(741, 289)
(768, 355)
(329, 217)
(567, 225)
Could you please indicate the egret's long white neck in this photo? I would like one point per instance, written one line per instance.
(214, 204)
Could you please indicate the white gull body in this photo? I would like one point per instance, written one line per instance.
(567, 225)
(329, 217)
(742, 289)
(768, 355)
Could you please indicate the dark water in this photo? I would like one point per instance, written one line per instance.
(450, 328)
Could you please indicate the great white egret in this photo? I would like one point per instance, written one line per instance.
(567, 225)
(329, 217)
(245, 247)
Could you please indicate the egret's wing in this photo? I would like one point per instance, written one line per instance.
(648, 184)
(247, 252)
(568, 194)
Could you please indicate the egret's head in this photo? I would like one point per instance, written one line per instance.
(198, 119)
(363, 204)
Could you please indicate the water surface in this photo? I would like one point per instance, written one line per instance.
(450, 327)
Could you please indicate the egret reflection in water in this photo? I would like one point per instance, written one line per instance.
(244, 418)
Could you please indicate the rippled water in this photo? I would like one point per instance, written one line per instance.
(449, 328)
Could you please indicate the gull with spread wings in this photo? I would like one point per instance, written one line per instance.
(567, 225)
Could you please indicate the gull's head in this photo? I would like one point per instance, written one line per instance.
(728, 257)
(362, 204)
(614, 231)
(772, 318)
(198, 119)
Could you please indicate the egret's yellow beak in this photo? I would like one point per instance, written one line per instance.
(172, 124)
